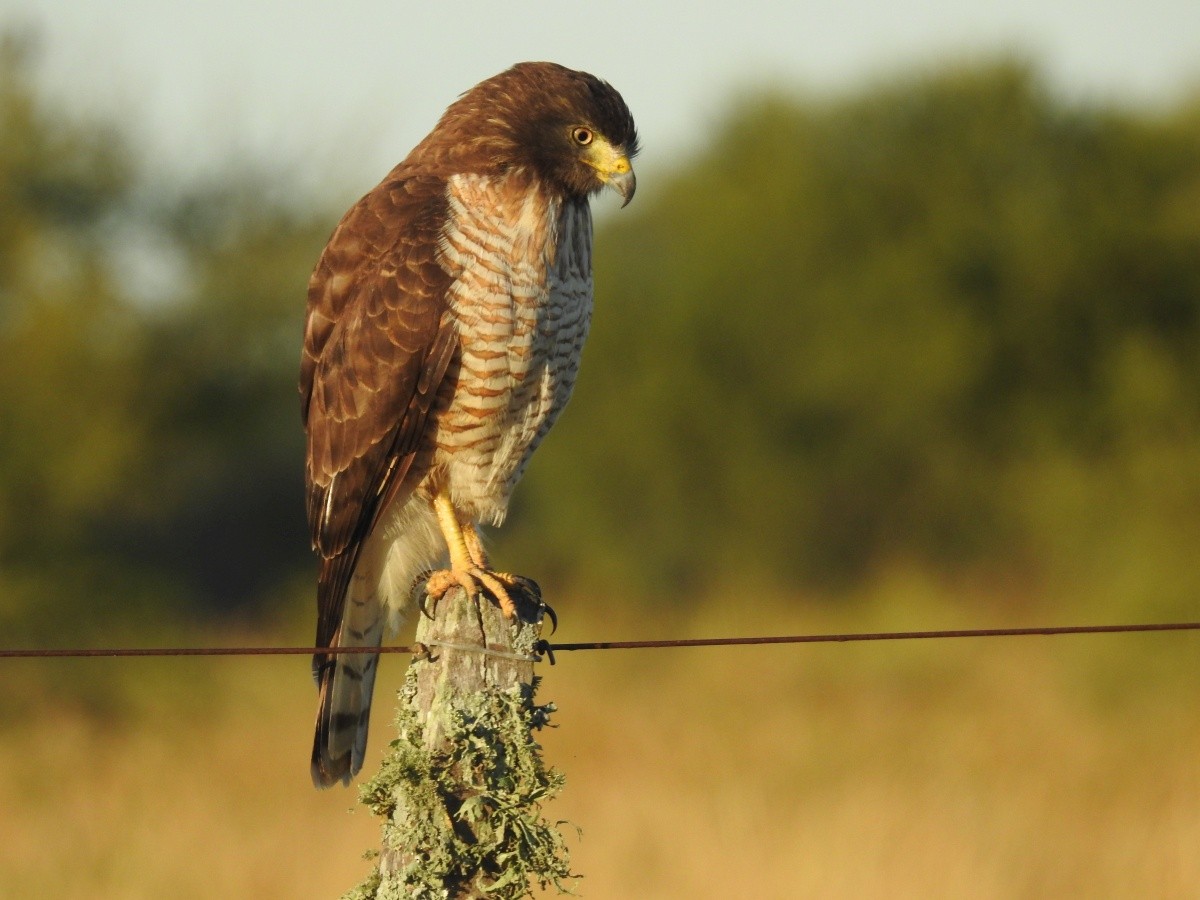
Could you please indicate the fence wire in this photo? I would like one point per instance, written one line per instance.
(548, 649)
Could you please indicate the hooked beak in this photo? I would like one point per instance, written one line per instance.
(624, 182)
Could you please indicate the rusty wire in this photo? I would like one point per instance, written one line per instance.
(548, 648)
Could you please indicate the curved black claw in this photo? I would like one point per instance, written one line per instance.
(418, 590)
(425, 609)
(549, 612)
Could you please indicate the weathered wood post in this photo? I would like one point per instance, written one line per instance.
(460, 790)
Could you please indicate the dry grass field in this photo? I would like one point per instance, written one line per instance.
(1032, 767)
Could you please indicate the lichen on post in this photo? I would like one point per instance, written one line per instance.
(462, 787)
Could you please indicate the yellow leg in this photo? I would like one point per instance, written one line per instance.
(460, 557)
(475, 545)
(468, 561)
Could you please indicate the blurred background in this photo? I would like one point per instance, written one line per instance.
(902, 331)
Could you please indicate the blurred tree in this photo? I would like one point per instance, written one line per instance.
(894, 327)
(222, 509)
(953, 322)
(70, 352)
(150, 452)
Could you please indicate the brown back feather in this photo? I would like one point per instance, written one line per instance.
(375, 350)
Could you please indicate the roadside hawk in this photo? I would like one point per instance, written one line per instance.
(445, 322)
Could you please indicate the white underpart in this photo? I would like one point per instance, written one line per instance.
(522, 302)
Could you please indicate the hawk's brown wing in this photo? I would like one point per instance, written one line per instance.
(375, 351)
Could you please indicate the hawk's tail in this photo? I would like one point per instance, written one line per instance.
(345, 681)
(378, 595)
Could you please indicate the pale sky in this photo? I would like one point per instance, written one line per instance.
(340, 91)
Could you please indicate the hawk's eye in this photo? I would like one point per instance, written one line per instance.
(582, 136)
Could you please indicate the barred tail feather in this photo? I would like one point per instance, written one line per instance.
(378, 598)
(346, 681)
(344, 712)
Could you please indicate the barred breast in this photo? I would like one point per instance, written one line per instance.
(522, 302)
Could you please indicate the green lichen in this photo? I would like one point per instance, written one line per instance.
(467, 820)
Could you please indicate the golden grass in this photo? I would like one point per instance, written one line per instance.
(1003, 768)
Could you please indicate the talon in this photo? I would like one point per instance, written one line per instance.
(469, 565)
(548, 611)
(476, 580)
(420, 590)
(526, 588)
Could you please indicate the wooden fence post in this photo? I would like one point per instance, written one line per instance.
(460, 790)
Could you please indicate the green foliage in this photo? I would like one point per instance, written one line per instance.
(70, 351)
(221, 504)
(897, 326)
(467, 817)
(952, 322)
(149, 447)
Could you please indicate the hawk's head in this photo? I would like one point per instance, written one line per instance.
(570, 128)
